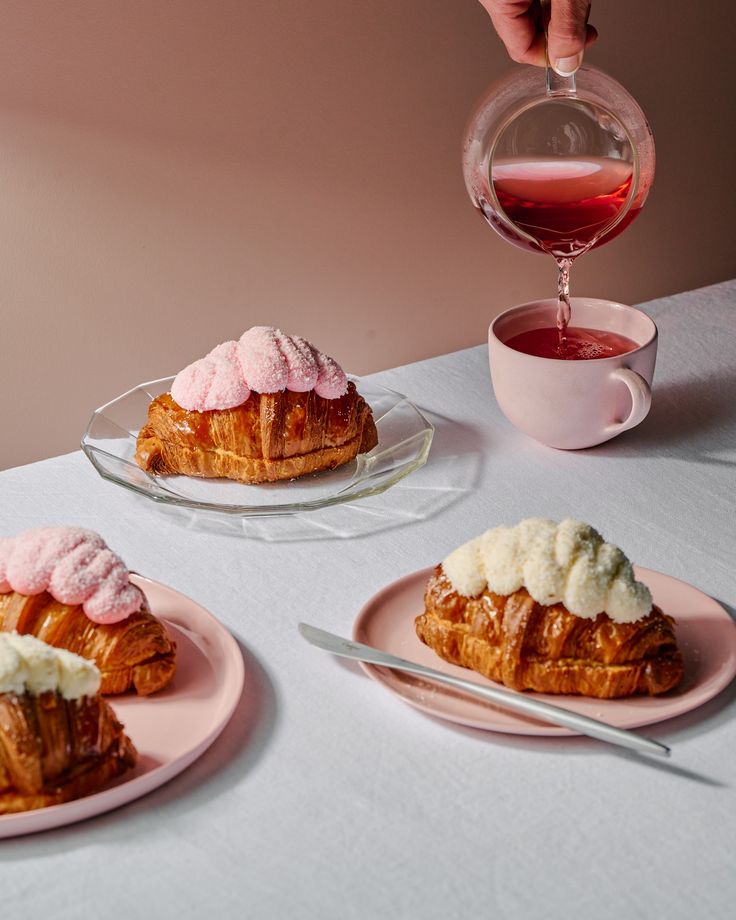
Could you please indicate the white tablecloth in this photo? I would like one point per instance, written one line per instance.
(327, 797)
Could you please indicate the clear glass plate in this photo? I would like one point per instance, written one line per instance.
(404, 439)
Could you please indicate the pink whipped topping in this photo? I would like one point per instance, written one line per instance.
(265, 360)
(75, 566)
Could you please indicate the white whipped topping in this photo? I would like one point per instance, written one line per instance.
(28, 665)
(566, 563)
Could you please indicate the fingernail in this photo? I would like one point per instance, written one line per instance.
(567, 66)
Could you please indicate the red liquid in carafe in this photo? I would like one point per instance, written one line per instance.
(578, 344)
(564, 203)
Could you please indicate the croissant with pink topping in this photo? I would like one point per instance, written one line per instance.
(65, 587)
(265, 408)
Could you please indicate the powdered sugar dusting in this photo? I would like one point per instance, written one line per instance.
(332, 381)
(566, 563)
(213, 382)
(28, 665)
(5, 548)
(32, 562)
(264, 366)
(301, 361)
(75, 566)
(227, 350)
(264, 359)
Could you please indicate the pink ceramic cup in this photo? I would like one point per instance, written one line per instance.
(573, 404)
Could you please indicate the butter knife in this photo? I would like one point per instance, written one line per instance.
(506, 699)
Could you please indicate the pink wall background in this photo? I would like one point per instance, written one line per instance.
(174, 172)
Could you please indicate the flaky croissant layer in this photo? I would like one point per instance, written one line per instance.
(272, 436)
(515, 641)
(135, 653)
(53, 750)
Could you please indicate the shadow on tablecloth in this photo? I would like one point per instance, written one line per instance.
(230, 758)
(450, 474)
(711, 715)
(691, 419)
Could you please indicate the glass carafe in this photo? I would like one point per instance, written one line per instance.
(558, 164)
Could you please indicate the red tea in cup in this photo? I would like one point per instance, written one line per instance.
(577, 344)
(570, 404)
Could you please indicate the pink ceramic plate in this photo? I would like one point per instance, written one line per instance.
(705, 633)
(170, 729)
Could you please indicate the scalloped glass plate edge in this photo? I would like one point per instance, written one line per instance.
(365, 482)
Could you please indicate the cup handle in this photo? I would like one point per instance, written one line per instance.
(641, 399)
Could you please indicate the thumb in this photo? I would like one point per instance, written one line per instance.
(566, 34)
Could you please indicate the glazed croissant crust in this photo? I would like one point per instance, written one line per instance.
(54, 750)
(135, 653)
(516, 641)
(269, 437)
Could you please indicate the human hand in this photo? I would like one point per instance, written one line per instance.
(520, 27)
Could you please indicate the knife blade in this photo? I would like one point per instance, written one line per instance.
(506, 699)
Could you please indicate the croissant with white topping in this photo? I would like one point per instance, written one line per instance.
(511, 637)
(54, 750)
(59, 740)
